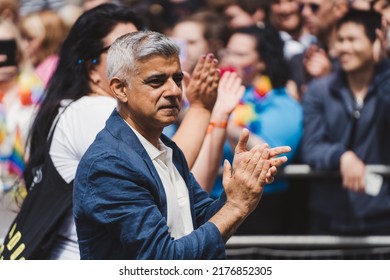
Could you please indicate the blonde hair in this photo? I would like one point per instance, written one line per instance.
(49, 27)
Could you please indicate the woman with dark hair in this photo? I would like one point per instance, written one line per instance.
(79, 85)
(267, 110)
(80, 71)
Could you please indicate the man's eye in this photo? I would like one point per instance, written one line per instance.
(178, 80)
(156, 82)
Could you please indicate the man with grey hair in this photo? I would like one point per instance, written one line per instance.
(320, 58)
(134, 197)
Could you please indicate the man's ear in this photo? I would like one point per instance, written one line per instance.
(118, 88)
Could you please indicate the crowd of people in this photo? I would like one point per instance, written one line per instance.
(155, 129)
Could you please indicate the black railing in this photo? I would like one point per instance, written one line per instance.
(308, 246)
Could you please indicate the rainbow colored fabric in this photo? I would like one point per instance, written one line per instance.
(246, 113)
(30, 93)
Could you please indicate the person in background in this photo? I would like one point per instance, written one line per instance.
(206, 167)
(383, 7)
(286, 18)
(9, 9)
(134, 196)
(20, 94)
(43, 33)
(362, 4)
(241, 13)
(200, 33)
(346, 128)
(268, 111)
(320, 59)
(69, 14)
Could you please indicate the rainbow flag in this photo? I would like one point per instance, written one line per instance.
(16, 162)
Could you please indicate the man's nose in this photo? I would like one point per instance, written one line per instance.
(173, 87)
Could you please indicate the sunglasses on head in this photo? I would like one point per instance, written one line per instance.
(314, 7)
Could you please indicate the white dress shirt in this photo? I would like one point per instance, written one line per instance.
(179, 218)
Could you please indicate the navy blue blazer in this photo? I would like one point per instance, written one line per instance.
(120, 206)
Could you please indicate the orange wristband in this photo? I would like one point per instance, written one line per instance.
(212, 124)
(222, 124)
(210, 128)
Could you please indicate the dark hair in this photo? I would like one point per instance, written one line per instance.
(269, 46)
(216, 30)
(70, 79)
(251, 7)
(370, 20)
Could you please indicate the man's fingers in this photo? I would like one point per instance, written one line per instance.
(278, 161)
(227, 172)
(203, 64)
(242, 141)
(262, 179)
(279, 150)
(272, 171)
(271, 174)
(198, 67)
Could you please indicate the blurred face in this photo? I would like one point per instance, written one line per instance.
(241, 54)
(194, 43)
(153, 99)
(32, 32)
(354, 48)
(361, 4)
(238, 17)
(285, 15)
(383, 7)
(317, 15)
(98, 72)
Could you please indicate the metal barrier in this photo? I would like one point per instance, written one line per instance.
(293, 171)
(307, 246)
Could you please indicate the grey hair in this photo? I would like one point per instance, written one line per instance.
(131, 48)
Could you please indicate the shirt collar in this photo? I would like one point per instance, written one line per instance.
(152, 151)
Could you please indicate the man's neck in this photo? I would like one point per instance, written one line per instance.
(152, 135)
(359, 81)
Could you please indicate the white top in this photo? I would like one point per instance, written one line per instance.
(76, 130)
(293, 47)
(74, 133)
(179, 218)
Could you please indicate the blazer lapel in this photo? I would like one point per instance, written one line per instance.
(128, 140)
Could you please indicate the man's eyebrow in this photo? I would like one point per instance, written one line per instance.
(154, 76)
